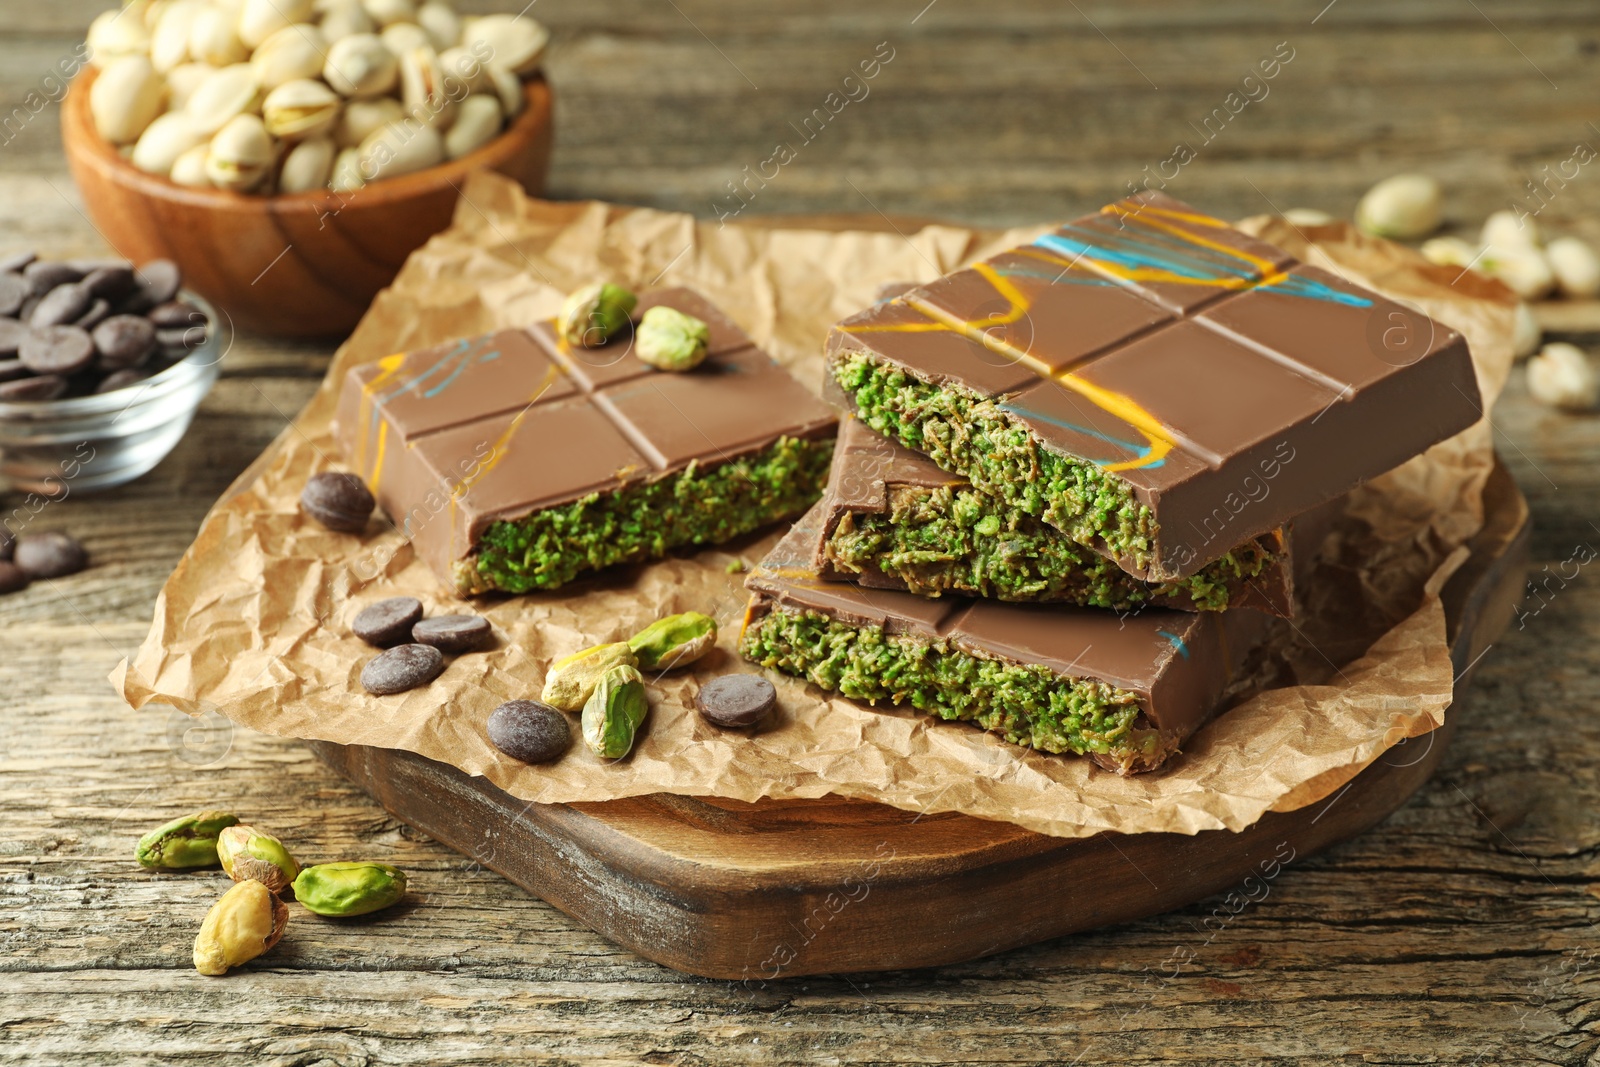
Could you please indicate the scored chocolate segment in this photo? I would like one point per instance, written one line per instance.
(1180, 667)
(722, 408)
(1172, 255)
(998, 303)
(614, 361)
(390, 403)
(463, 380)
(1169, 369)
(456, 437)
(1352, 347)
(507, 465)
(1179, 362)
(898, 333)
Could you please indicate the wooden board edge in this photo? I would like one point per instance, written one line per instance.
(709, 921)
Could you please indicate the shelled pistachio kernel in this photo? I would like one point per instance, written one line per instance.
(307, 166)
(301, 109)
(186, 842)
(478, 121)
(1562, 377)
(613, 713)
(670, 340)
(1404, 206)
(572, 678)
(349, 888)
(593, 314)
(361, 65)
(291, 54)
(126, 98)
(241, 154)
(247, 853)
(675, 641)
(242, 925)
(516, 43)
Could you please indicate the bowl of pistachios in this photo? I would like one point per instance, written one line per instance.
(289, 155)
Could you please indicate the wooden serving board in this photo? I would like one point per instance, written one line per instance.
(782, 888)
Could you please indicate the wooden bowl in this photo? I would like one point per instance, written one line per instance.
(301, 264)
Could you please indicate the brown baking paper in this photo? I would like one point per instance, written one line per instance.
(255, 620)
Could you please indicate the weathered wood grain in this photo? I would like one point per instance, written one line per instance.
(1002, 113)
(1460, 931)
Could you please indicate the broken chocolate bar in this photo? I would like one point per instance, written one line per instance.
(515, 465)
(1157, 385)
(1126, 691)
(892, 519)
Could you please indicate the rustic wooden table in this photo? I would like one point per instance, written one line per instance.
(1461, 931)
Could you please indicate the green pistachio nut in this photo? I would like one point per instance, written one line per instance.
(247, 854)
(349, 888)
(667, 339)
(675, 641)
(593, 314)
(185, 843)
(572, 678)
(612, 716)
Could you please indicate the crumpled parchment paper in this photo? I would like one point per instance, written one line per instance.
(255, 619)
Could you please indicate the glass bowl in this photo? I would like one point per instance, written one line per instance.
(85, 443)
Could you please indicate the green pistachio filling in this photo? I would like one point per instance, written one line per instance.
(946, 539)
(967, 433)
(1027, 705)
(697, 506)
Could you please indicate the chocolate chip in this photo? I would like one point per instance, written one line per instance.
(12, 333)
(60, 306)
(387, 622)
(124, 341)
(38, 387)
(158, 281)
(49, 555)
(110, 281)
(736, 700)
(175, 314)
(402, 668)
(338, 501)
(45, 275)
(97, 313)
(12, 578)
(56, 350)
(452, 633)
(120, 379)
(14, 289)
(16, 262)
(529, 731)
(181, 340)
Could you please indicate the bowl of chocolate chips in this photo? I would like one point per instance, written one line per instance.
(102, 366)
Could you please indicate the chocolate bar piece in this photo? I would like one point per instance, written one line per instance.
(1126, 691)
(892, 519)
(1156, 385)
(515, 463)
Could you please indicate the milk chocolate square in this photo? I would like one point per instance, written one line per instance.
(467, 444)
(1157, 675)
(1238, 389)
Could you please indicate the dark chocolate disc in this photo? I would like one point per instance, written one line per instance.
(529, 730)
(736, 700)
(402, 668)
(337, 500)
(56, 350)
(452, 633)
(387, 622)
